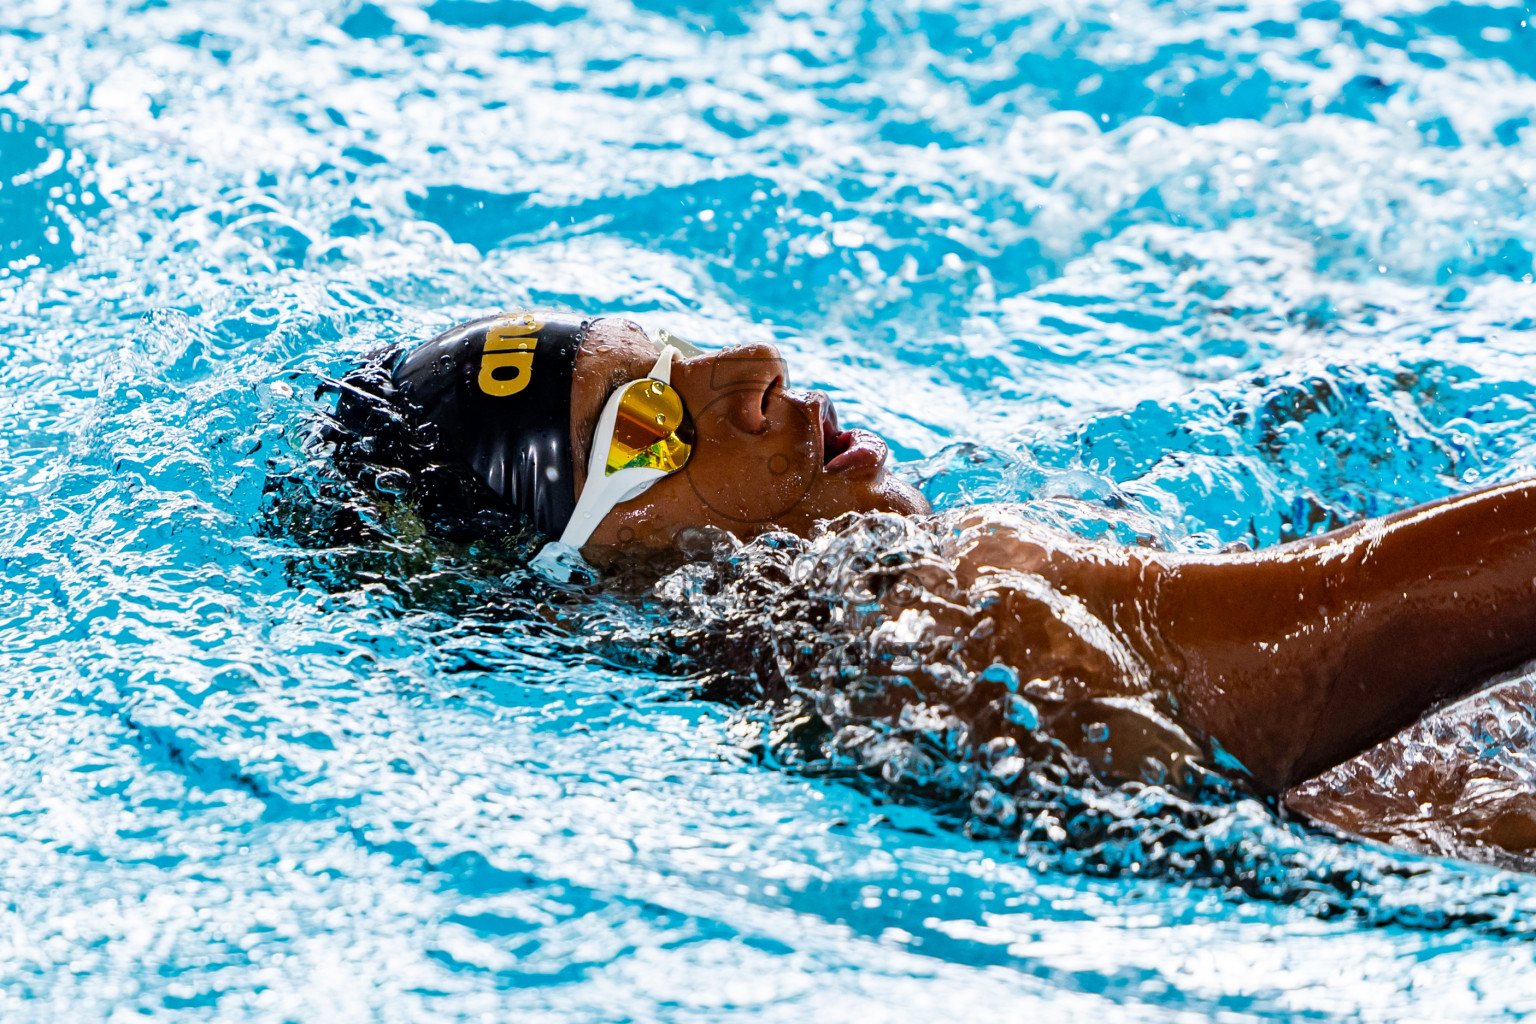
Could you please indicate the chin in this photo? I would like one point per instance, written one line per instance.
(906, 500)
(890, 495)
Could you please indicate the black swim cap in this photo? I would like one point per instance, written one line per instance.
(473, 427)
(495, 395)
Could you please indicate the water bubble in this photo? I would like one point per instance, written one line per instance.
(989, 804)
(393, 481)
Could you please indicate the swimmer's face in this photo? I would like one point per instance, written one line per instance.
(765, 457)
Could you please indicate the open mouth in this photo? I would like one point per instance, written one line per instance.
(847, 450)
(833, 441)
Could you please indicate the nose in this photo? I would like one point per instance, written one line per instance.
(744, 377)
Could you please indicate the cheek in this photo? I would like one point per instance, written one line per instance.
(652, 518)
(753, 480)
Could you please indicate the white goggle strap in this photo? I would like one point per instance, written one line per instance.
(602, 492)
(685, 348)
(662, 371)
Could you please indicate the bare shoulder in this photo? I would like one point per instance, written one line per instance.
(1059, 611)
(994, 542)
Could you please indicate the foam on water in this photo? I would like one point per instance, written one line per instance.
(1199, 274)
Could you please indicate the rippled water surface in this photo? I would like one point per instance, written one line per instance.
(1202, 273)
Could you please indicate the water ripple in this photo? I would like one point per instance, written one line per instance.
(1193, 275)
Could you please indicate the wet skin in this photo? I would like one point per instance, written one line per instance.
(1293, 659)
(765, 457)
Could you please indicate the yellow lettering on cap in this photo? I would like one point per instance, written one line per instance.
(508, 345)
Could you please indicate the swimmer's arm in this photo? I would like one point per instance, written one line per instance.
(1298, 657)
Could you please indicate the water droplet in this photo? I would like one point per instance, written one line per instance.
(1007, 675)
(1007, 769)
(1021, 712)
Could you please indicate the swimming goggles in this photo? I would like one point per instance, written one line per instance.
(643, 435)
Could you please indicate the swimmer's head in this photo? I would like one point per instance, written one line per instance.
(764, 457)
(498, 415)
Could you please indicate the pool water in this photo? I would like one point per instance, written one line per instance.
(1196, 274)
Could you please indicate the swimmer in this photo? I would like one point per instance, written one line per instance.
(1276, 664)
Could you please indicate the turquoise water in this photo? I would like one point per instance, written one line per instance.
(1202, 273)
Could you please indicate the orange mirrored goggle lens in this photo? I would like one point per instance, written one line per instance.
(653, 429)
